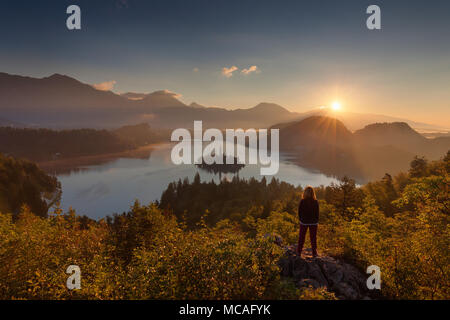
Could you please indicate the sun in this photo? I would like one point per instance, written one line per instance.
(336, 106)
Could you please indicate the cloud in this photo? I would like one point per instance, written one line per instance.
(228, 72)
(105, 86)
(250, 70)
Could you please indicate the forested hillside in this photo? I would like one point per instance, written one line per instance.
(209, 241)
(46, 144)
(23, 183)
(325, 144)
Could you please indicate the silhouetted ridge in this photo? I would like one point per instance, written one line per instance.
(396, 133)
(58, 76)
(324, 143)
(162, 99)
(314, 131)
(64, 102)
(196, 105)
(134, 95)
(269, 107)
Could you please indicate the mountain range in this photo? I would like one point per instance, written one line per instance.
(336, 143)
(326, 144)
(59, 101)
(63, 102)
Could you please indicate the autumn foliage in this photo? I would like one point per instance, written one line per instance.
(190, 247)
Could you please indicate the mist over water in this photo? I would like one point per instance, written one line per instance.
(101, 190)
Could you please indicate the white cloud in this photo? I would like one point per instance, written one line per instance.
(228, 72)
(250, 70)
(105, 86)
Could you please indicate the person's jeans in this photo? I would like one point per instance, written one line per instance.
(312, 237)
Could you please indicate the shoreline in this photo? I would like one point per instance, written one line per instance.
(77, 163)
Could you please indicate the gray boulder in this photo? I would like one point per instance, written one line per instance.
(345, 280)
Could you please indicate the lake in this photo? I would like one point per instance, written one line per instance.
(103, 189)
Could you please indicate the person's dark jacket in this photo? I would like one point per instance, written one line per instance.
(308, 211)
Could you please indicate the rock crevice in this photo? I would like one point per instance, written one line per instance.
(341, 278)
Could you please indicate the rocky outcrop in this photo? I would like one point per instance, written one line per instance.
(341, 278)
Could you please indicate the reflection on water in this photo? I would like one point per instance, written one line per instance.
(229, 165)
(94, 162)
(103, 189)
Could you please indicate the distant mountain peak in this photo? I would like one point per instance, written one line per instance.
(389, 128)
(58, 76)
(269, 107)
(196, 105)
(328, 121)
(163, 98)
(314, 130)
(164, 93)
(383, 125)
(134, 95)
(62, 80)
(395, 133)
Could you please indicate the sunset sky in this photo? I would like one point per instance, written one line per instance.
(299, 54)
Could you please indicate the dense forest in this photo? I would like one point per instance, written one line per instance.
(213, 241)
(22, 182)
(46, 144)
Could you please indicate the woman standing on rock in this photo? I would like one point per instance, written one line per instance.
(308, 213)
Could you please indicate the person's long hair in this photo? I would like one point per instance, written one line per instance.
(309, 193)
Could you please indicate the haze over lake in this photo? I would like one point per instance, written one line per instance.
(101, 190)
